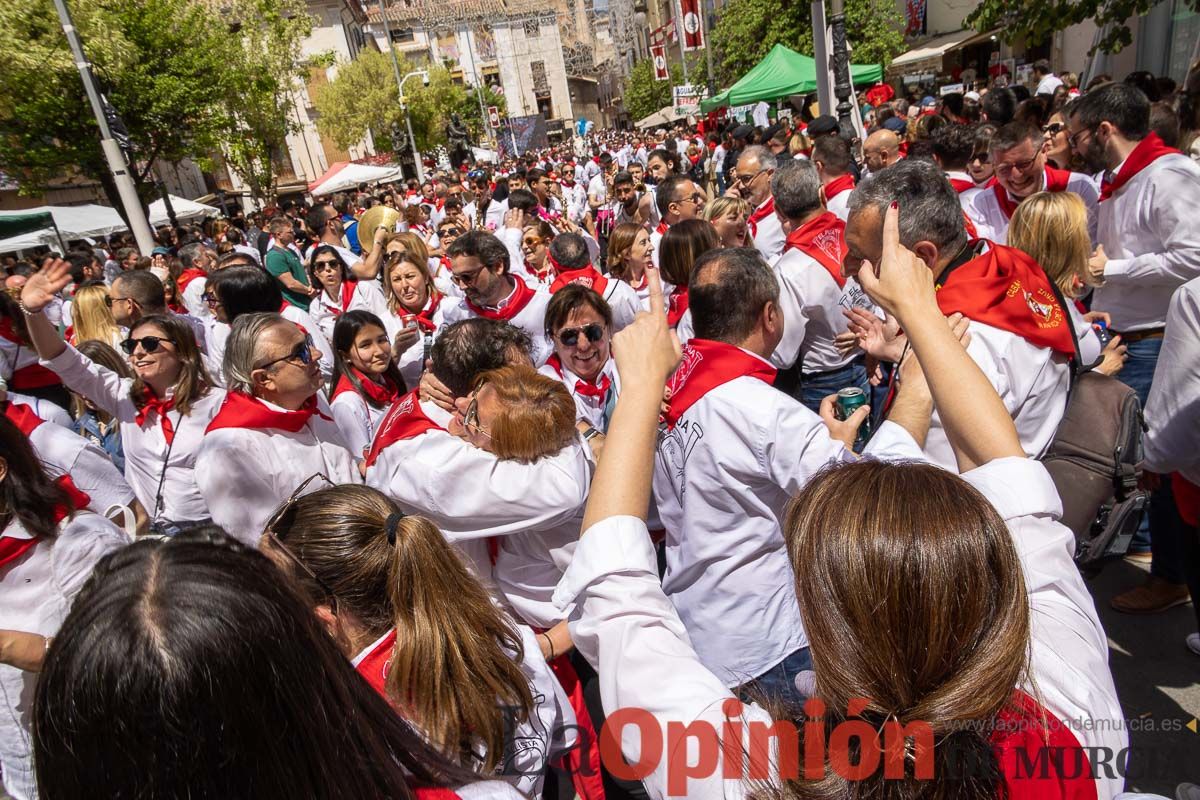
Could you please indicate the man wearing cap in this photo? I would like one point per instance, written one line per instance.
(755, 168)
(824, 125)
(775, 138)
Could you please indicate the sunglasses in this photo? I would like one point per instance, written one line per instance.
(292, 558)
(570, 336)
(320, 266)
(982, 158)
(450, 232)
(531, 242)
(149, 344)
(1054, 128)
(210, 299)
(302, 353)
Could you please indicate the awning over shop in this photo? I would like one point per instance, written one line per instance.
(348, 175)
(661, 118)
(782, 73)
(928, 55)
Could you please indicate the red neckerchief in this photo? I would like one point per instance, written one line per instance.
(1007, 289)
(376, 664)
(1024, 729)
(187, 276)
(1056, 181)
(762, 212)
(961, 185)
(588, 276)
(1148, 151)
(30, 376)
(1187, 498)
(555, 363)
(514, 306)
(22, 416)
(404, 420)
(383, 394)
(153, 402)
(435, 793)
(14, 547)
(424, 317)
(838, 185)
(662, 229)
(240, 410)
(823, 239)
(677, 304)
(705, 366)
(347, 293)
(598, 390)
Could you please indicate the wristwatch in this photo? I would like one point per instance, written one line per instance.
(591, 433)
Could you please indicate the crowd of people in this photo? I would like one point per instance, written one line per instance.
(293, 509)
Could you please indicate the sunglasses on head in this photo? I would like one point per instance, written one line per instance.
(570, 336)
(148, 343)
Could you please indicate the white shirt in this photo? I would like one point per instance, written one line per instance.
(148, 456)
(192, 297)
(722, 478)
(991, 223)
(44, 409)
(493, 215)
(325, 311)
(531, 319)
(839, 204)
(759, 114)
(596, 411)
(628, 631)
(1172, 443)
(597, 191)
(1150, 229)
(244, 474)
(1048, 84)
(768, 235)
(64, 452)
(412, 361)
(36, 592)
(252, 252)
(357, 420)
(812, 305)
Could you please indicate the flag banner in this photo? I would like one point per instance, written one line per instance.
(658, 52)
(693, 36)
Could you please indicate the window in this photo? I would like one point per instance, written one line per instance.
(532, 30)
(403, 35)
(541, 84)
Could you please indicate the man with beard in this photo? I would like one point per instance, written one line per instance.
(327, 225)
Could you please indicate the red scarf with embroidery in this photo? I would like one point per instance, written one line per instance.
(376, 664)
(588, 276)
(404, 420)
(761, 213)
(381, 394)
(514, 306)
(823, 239)
(705, 366)
(677, 304)
(839, 185)
(1148, 151)
(153, 402)
(1007, 289)
(240, 410)
(1056, 181)
(187, 276)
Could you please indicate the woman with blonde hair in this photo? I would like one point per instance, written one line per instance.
(417, 251)
(422, 630)
(730, 215)
(410, 307)
(630, 251)
(1052, 227)
(91, 317)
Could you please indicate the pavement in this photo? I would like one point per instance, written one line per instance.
(1158, 683)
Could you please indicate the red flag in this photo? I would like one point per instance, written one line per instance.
(658, 52)
(693, 35)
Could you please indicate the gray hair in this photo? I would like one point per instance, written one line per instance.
(761, 156)
(796, 188)
(929, 206)
(189, 252)
(241, 349)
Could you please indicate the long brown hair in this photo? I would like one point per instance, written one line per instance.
(620, 241)
(193, 381)
(681, 245)
(454, 669)
(913, 597)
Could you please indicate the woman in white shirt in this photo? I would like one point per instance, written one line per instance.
(47, 551)
(629, 254)
(328, 270)
(384, 584)
(365, 380)
(163, 410)
(535, 246)
(411, 309)
(902, 655)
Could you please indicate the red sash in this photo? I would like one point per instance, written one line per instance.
(1007, 289)
(240, 410)
(761, 213)
(838, 185)
(404, 420)
(705, 366)
(1056, 181)
(1148, 151)
(381, 394)
(588, 276)
(514, 306)
(187, 276)
(1025, 732)
(961, 185)
(154, 403)
(348, 288)
(823, 239)
(677, 304)
(374, 665)
(433, 793)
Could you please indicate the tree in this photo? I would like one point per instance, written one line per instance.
(643, 95)
(1035, 21)
(748, 29)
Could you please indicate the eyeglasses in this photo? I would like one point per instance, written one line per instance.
(302, 353)
(471, 420)
(982, 158)
(745, 179)
(210, 299)
(269, 532)
(570, 336)
(450, 232)
(466, 279)
(321, 266)
(1073, 138)
(531, 242)
(1020, 166)
(149, 344)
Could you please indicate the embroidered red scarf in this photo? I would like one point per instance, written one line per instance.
(404, 420)
(1056, 181)
(705, 366)
(1146, 153)
(822, 238)
(762, 212)
(240, 410)
(677, 304)
(381, 394)
(588, 276)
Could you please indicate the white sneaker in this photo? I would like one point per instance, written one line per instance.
(1193, 643)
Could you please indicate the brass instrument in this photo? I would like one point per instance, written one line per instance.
(372, 220)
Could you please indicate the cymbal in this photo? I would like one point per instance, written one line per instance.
(372, 220)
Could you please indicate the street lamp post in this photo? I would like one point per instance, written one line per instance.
(841, 70)
(408, 121)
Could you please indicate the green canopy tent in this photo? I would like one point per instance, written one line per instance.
(782, 73)
(18, 224)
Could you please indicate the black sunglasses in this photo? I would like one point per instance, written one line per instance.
(982, 158)
(570, 336)
(320, 265)
(450, 232)
(301, 352)
(148, 343)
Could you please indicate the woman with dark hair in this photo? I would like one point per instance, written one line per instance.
(935, 691)
(48, 547)
(579, 322)
(365, 379)
(384, 583)
(683, 243)
(979, 166)
(161, 664)
(162, 410)
(19, 367)
(328, 271)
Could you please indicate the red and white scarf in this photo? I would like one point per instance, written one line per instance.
(762, 212)
(1148, 151)
(823, 239)
(381, 394)
(240, 410)
(187, 276)
(513, 306)
(597, 390)
(152, 402)
(404, 420)
(838, 185)
(706, 365)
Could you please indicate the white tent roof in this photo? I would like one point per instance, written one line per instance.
(351, 175)
(184, 209)
(74, 222)
(664, 116)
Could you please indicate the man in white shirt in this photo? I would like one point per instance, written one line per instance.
(831, 156)
(1018, 155)
(755, 166)
(1047, 80)
(326, 223)
(1148, 229)
(677, 198)
(597, 188)
(733, 452)
(483, 212)
(880, 150)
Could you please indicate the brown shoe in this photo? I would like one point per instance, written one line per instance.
(1152, 597)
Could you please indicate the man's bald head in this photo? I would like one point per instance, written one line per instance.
(881, 150)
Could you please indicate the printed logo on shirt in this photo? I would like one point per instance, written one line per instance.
(676, 445)
(522, 752)
(853, 295)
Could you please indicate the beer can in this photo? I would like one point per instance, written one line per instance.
(850, 400)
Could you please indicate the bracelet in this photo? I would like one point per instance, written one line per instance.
(550, 642)
(591, 433)
(49, 640)
(25, 310)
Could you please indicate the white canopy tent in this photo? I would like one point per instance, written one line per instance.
(184, 210)
(661, 118)
(73, 222)
(347, 175)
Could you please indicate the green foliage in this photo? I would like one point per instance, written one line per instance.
(748, 29)
(1035, 21)
(643, 95)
